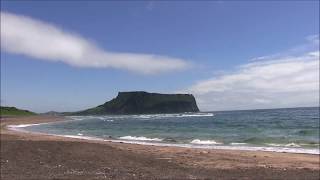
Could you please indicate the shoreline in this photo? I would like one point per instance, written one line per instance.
(277, 149)
(200, 163)
(150, 143)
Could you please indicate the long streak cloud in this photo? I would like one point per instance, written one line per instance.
(44, 41)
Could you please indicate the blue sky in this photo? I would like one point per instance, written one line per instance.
(167, 47)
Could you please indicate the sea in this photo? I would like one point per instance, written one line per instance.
(292, 130)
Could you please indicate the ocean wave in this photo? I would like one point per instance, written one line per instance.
(223, 147)
(108, 120)
(139, 138)
(169, 139)
(283, 145)
(79, 118)
(204, 142)
(235, 143)
(309, 144)
(197, 115)
(148, 116)
(111, 118)
(80, 137)
(292, 145)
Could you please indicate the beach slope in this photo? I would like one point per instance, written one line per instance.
(34, 156)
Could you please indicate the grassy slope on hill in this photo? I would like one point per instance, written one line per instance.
(13, 111)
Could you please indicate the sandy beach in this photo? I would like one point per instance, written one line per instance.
(36, 156)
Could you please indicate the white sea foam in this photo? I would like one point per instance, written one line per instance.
(197, 146)
(155, 116)
(80, 134)
(221, 147)
(197, 115)
(273, 144)
(140, 138)
(292, 145)
(22, 125)
(111, 118)
(204, 142)
(80, 137)
(283, 145)
(108, 120)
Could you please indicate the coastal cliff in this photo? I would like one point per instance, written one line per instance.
(140, 102)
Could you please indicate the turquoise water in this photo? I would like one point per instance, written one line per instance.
(274, 129)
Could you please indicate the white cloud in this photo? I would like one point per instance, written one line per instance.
(283, 82)
(44, 41)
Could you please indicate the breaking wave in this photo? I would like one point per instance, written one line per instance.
(284, 145)
(139, 138)
(204, 142)
(111, 118)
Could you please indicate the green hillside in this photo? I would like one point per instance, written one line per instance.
(13, 111)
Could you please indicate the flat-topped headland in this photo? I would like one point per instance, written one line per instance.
(141, 102)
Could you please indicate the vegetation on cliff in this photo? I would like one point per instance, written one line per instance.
(13, 111)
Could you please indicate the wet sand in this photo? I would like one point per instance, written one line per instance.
(36, 156)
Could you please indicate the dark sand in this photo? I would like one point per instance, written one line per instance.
(35, 156)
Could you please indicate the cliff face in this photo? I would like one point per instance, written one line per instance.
(140, 102)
